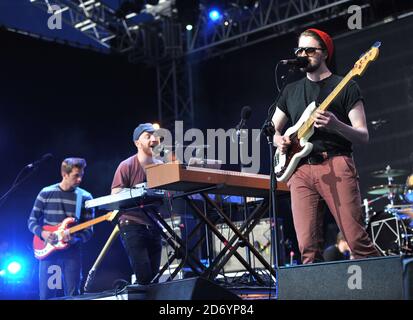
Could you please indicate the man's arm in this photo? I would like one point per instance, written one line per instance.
(356, 133)
(35, 216)
(279, 120)
(120, 178)
(34, 220)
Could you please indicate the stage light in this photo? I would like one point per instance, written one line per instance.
(214, 15)
(2, 273)
(14, 267)
(189, 27)
(156, 126)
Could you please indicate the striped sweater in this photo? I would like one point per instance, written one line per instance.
(53, 205)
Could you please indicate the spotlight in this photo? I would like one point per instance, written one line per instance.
(214, 15)
(14, 267)
(156, 126)
(189, 27)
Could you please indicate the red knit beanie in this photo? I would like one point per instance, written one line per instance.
(327, 41)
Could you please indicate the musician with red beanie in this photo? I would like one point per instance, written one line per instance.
(327, 176)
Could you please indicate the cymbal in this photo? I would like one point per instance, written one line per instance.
(386, 188)
(389, 173)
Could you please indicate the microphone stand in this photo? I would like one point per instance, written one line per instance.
(251, 278)
(17, 183)
(268, 131)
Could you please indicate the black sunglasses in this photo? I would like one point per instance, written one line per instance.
(308, 50)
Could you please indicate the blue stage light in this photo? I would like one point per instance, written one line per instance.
(214, 15)
(14, 267)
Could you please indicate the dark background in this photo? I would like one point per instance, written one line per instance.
(75, 102)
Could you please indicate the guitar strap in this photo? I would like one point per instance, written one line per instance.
(79, 196)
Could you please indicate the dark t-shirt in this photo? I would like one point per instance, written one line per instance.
(298, 95)
(128, 174)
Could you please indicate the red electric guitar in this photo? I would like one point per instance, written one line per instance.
(43, 249)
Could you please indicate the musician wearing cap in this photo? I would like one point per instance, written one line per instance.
(327, 175)
(140, 237)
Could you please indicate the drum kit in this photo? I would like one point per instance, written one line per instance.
(391, 229)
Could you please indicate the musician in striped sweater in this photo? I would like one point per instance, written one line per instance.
(62, 269)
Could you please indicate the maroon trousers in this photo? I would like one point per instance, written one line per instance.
(336, 181)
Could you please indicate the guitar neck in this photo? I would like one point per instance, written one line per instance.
(306, 126)
(89, 223)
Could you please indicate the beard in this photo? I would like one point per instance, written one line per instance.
(311, 67)
(150, 150)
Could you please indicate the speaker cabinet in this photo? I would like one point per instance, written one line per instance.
(189, 289)
(384, 278)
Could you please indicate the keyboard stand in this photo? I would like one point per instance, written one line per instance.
(240, 235)
(102, 254)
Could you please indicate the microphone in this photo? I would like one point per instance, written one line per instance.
(245, 114)
(45, 157)
(299, 62)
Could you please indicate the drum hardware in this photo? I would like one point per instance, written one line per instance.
(366, 204)
(390, 234)
(408, 192)
(389, 173)
(391, 230)
(391, 189)
(403, 210)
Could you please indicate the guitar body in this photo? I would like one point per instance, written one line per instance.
(43, 249)
(285, 164)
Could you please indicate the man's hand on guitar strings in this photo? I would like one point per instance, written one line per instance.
(49, 237)
(66, 236)
(282, 142)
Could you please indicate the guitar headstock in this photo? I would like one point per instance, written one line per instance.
(361, 65)
(111, 215)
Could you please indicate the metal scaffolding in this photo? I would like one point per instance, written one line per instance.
(95, 20)
(166, 45)
(241, 26)
(175, 94)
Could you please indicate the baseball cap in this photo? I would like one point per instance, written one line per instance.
(143, 127)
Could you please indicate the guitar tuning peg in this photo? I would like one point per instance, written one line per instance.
(377, 44)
